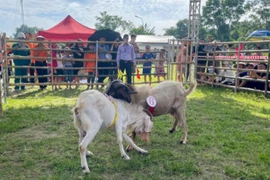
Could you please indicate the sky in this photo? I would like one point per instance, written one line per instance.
(45, 14)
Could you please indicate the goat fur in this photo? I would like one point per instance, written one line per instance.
(170, 97)
(94, 112)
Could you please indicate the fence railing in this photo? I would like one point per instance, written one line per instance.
(210, 67)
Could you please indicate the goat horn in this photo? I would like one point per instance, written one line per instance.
(120, 85)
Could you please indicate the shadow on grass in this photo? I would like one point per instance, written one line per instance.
(60, 93)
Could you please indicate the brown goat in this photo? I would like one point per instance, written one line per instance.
(170, 97)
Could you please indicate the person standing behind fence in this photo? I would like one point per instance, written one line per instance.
(59, 70)
(126, 58)
(147, 65)
(21, 49)
(68, 65)
(114, 49)
(90, 63)
(78, 53)
(102, 50)
(136, 47)
(42, 53)
(9, 61)
(29, 36)
(159, 65)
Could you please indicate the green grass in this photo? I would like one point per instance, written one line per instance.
(229, 138)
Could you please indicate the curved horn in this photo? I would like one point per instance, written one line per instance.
(148, 112)
(120, 85)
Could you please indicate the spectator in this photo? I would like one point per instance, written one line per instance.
(136, 47)
(160, 72)
(241, 73)
(42, 54)
(21, 49)
(209, 47)
(114, 49)
(225, 72)
(102, 51)
(90, 63)
(258, 48)
(29, 37)
(59, 69)
(183, 57)
(78, 54)
(68, 65)
(256, 75)
(125, 58)
(9, 61)
(148, 56)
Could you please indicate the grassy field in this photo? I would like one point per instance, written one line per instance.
(229, 138)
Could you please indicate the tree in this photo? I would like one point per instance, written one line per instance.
(25, 28)
(220, 16)
(106, 21)
(259, 12)
(180, 31)
(143, 30)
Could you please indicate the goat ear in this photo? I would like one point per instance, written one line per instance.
(148, 124)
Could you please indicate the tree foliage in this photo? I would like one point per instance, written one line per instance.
(25, 28)
(259, 12)
(143, 30)
(181, 30)
(116, 23)
(220, 17)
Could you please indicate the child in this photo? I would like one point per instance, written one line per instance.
(90, 63)
(160, 65)
(147, 65)
(68, 64)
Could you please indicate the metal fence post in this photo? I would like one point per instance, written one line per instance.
(267, 73)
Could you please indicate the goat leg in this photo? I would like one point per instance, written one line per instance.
(129, 147)
(129, 141)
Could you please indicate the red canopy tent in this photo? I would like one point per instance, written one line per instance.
(66, 30)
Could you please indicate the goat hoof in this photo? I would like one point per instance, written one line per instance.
(182, 142)
(86, 171)
(171, 131)
(143, 153)
(126, 157)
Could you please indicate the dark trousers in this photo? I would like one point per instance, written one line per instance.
(42, 72)
(20, 72)
(101, 72)
(126, 65)
(91, 77)
(32, 72)
(113, 72)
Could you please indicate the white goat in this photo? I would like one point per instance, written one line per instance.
(94, 112)
(170, 99)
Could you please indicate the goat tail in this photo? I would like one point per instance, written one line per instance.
(192, 87)
(76, 114)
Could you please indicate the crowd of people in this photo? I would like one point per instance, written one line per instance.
(73, 62)
(225, 71)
